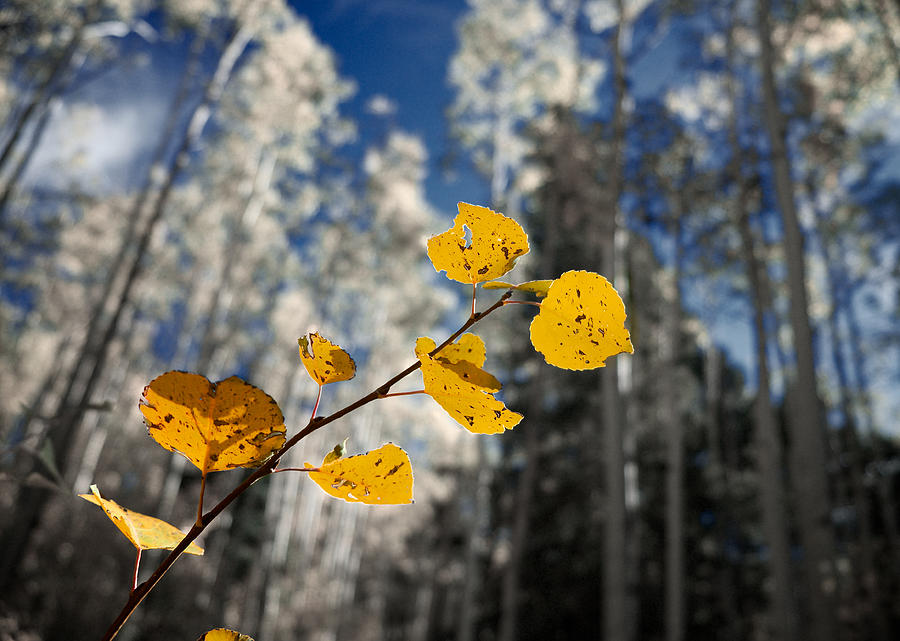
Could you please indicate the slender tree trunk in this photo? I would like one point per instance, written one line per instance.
(867, 572)
(810, 480)
(674, 430)
(769, 455)
(510, 590)
(615, 587)
(886, 496)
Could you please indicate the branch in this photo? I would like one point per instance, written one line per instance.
(137, 595)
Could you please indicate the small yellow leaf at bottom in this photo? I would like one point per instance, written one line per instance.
(145, 532)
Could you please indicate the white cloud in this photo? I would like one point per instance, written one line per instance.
(99, 145)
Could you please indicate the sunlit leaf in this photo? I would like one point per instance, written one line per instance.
(537, 287)
(223, 634)
(145, 532)
(325, 361)
(455, 380)
(380, 477)
(496, 242)
(217, 426)
(581, 322)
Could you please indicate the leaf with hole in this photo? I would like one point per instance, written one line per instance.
(145, 532)
(455, 380)
(324, 361)
(217, 426)
(496, 242)
(380, 477)
(581, 322)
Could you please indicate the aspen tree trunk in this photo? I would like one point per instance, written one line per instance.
(509, 606)
(886, 496)
(769, 454)
(674, 430)
(867, 572)
(615, 587)
(809, 475)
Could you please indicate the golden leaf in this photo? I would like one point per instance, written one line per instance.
(217, 426)
(537, 287)
(581, 322)
(496, 243)
(325, 361)
(380, 477)
(223, 634)
(145, 532)
(455, 380)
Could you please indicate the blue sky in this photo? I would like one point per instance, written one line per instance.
(400, 49)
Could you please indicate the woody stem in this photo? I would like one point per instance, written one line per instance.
(140, 592)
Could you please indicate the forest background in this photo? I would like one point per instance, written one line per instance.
(196, 184)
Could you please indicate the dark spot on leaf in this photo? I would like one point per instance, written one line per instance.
(394, 469)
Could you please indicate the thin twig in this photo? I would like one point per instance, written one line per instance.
(522, 302)
(295, 469)
(137, 595)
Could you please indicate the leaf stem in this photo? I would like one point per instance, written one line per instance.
(138, 594)
(199, 520)
(295, 469)
(522, 302)
(137, 565)
(316, 406)
(418, 391)
(474, 286)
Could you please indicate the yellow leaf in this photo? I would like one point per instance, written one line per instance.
(380, 477)
(496, 243)
(455, 380)
(581, 322)
(217, 426)
(223, 634)
(537, 287)
(325, 361)
(145, 532)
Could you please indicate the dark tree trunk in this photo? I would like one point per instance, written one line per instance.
(809, 474)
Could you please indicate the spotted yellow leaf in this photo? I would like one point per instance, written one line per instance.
(223, 634)
(380, 477)
(145, 532)
(537, 287)
(325, 361)
(217, 426)
(496, 242)
(454, 378)
(581, 322)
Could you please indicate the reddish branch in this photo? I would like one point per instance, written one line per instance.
(140, 591)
